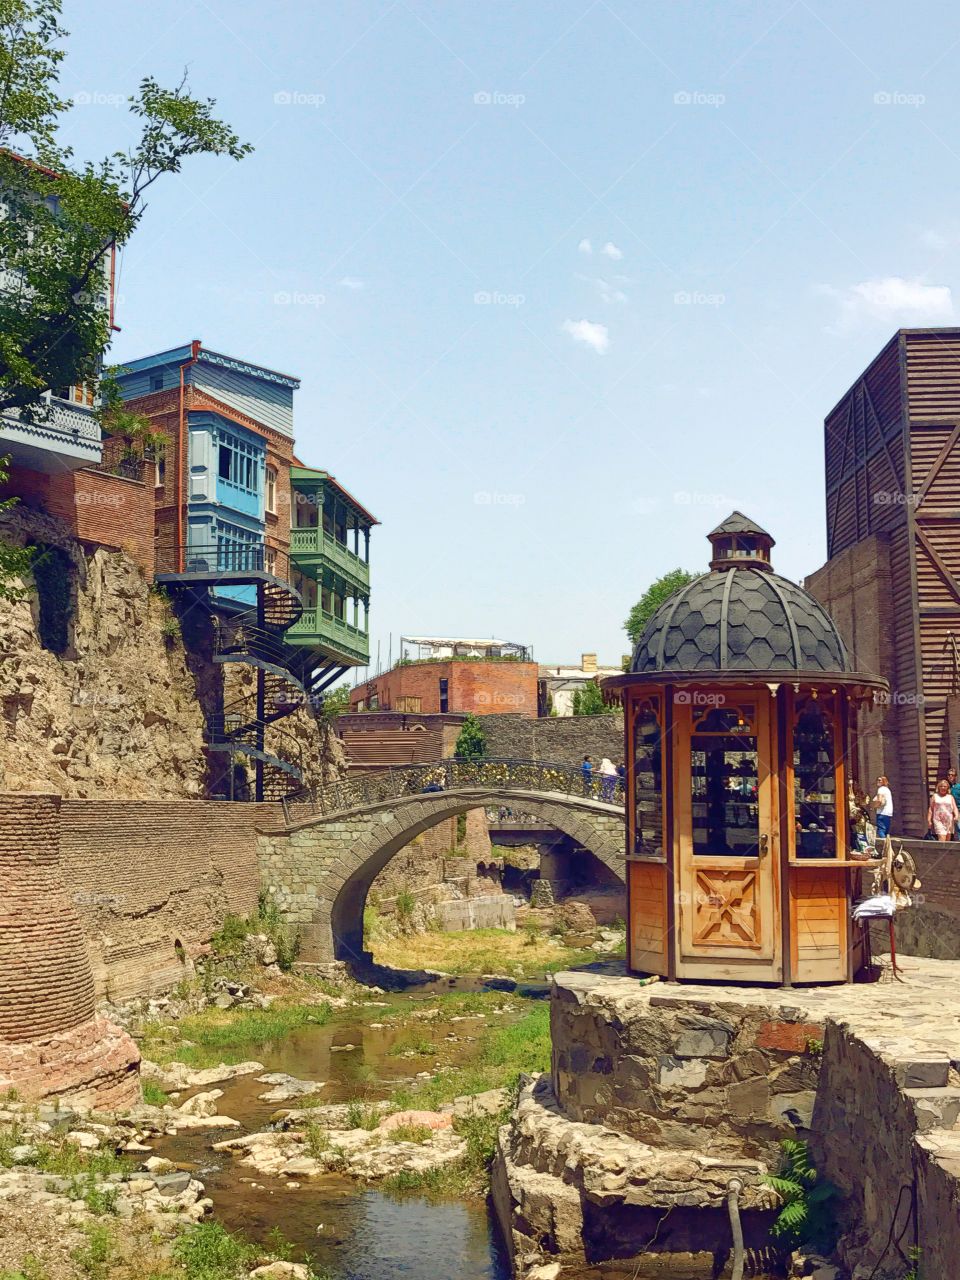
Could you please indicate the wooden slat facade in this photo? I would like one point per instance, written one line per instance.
(892, 466)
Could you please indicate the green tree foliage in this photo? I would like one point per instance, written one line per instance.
(588, 701)
(336, 702)
(652, 599)
(62, 215)
(472, 743)
(14, 560)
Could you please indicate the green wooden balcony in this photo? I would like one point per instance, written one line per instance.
(312, 549)
(316, 629)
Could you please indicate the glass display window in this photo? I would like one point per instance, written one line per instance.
(814, 778)
(724, 778)
(648, 778)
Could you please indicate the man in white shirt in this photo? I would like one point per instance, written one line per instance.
(884, 802)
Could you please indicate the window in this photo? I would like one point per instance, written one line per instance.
(270, 559)
(156, 382)
(814, 779)
(270, 490)
(648, 779)
(408, 704)
(161, 469)
(444, 696)
(238, 462)
(724, 775)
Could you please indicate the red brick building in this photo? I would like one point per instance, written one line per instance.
(483, 687)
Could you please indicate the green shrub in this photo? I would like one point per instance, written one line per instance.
(806, 1215)
(360, 1116)
(153, 1095)
(209, 1252)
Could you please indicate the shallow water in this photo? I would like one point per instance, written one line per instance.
(350, 1228)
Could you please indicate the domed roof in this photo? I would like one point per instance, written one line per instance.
(741, 616)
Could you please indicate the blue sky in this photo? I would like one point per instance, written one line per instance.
(565, 281)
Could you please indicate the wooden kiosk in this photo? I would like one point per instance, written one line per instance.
(739, 709)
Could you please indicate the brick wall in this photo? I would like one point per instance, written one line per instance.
(565, 739)
(144, 875)
(106, 510)
(45, 981)
(52, 1042)
(483, 688)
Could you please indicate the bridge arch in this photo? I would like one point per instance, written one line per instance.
(337, 857)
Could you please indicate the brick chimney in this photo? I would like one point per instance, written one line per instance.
(588, 663)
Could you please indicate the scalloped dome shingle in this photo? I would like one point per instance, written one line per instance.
(744, 618)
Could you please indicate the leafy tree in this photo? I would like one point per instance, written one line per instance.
(472, 742)
(336, 702)
(652, 599)
(14, 560)
(61, 216)
(588, 701)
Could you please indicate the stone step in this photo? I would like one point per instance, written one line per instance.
(935, 1108)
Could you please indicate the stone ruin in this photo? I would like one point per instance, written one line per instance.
(53, 1043)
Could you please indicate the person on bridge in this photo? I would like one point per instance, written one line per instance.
(608, 779)
(586, 769)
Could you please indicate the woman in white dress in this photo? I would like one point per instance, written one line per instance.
(943, 815)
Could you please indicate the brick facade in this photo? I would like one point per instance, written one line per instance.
(51, 1040)
(164, 410)
(481, 688)
(98, 508)
(147, 875)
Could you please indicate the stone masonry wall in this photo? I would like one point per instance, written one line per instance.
(145, 875)
(117, 712)
(562, 739)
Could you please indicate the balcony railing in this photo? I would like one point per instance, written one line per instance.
(317, 624)
(62, 421)
(225, 558)
(315, 542)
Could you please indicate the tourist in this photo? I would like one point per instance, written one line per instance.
(884, 804)
(586, 771)
(955, 792)
(943, 815)
(608, 775)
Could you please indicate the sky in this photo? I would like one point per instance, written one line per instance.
(565, 281)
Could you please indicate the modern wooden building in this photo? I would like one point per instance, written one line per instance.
(738, 710)
(892, 579)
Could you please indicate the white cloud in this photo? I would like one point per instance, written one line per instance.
(606, 291)
(611, 251)
(890, 300)
(351, 282)
(596, 336)
(585, 246)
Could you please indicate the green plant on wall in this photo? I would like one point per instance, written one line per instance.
(472, 743)
(52, 571)
(806, 1215)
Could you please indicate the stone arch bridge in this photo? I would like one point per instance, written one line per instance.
(319, 867)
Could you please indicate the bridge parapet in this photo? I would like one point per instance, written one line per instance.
(433, 777)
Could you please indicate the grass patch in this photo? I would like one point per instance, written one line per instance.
(480, 951)
(505, 1052)
(418, 1133)
(153, 1094)
(360, 1116)
(228, 942)
(227, 1035)
(412, 1043)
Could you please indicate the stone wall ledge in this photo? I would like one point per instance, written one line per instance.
(609, 1167)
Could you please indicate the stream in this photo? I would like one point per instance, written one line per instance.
(349, 1228)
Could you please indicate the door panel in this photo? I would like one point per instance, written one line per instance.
(728, 840)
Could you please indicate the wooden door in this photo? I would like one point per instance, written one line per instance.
(727, 839)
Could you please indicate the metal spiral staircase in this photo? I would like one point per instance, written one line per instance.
(254, 637)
